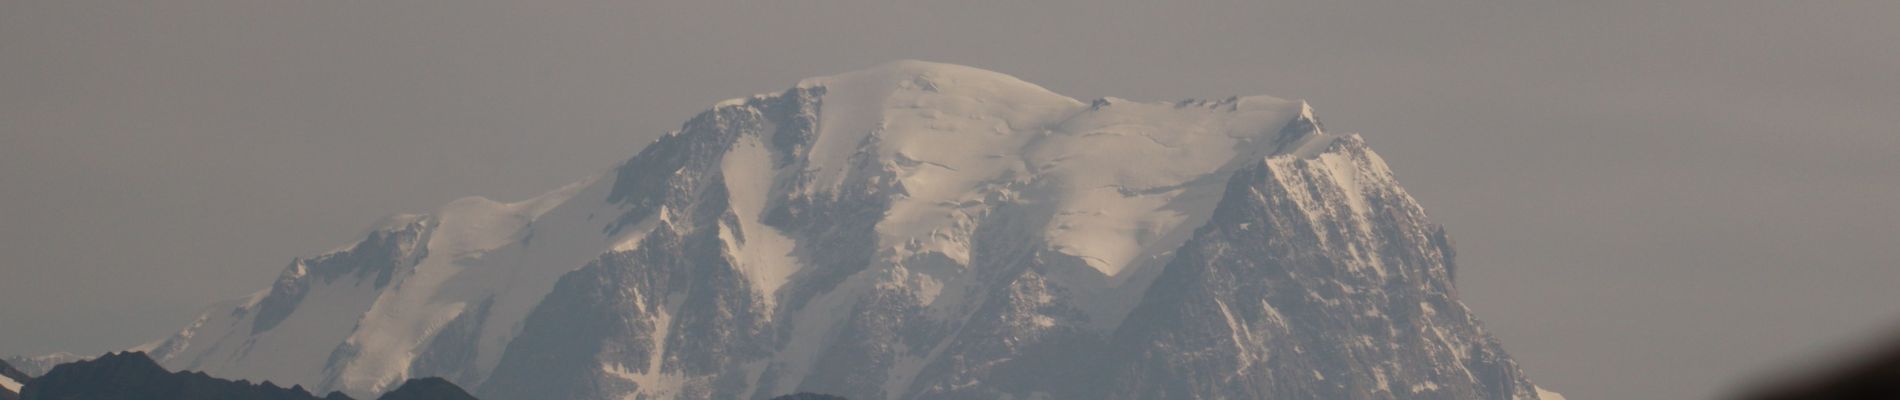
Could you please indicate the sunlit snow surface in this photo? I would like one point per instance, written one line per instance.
(1124, 179)
(1549, 395)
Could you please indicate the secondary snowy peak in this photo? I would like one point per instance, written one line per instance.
(364, 317)
(911, 230)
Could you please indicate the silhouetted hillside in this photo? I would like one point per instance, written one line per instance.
(134, 376)
(808, 396)
(1874, 376)
(427, 389)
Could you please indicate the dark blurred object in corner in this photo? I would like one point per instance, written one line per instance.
(1874, 376)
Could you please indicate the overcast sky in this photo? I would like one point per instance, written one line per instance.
(1650, 202)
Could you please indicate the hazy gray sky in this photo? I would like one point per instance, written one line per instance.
(1650, 201)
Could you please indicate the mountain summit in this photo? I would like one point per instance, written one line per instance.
(912, 230)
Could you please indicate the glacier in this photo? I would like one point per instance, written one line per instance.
(911, 230)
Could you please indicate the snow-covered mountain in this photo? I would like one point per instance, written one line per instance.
(912, 230)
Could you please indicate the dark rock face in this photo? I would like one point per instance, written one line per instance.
(133, 376)
(675, 305)
(381, 254)
(451, 354)
(1299, 290)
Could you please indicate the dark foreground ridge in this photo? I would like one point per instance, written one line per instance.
(428, 389)
(134, 376)
(808, 396)
(1874, 375)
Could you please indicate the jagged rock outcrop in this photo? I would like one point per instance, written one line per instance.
(1319, 278)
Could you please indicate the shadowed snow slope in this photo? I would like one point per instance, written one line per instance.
(912, 230)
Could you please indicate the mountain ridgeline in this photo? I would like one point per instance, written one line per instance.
(909, 231)
(39, 365)
(134, 376)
